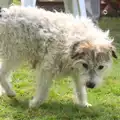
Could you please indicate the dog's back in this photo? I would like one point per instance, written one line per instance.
(27, 31)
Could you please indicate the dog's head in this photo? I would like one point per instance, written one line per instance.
(91, 60)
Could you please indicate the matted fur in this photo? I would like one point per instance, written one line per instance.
(56, 44)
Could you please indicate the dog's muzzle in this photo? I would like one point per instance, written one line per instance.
(90, 84)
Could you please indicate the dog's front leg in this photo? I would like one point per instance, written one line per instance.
(81, 94)
(44, 81)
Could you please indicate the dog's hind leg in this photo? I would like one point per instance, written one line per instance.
(44, 81)
(5, 71)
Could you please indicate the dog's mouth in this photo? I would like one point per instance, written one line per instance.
(90, 84)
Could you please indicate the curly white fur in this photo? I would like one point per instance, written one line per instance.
(31, 34)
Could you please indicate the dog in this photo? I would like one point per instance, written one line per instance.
(57, 45)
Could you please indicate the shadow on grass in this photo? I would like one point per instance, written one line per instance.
(69, 110)
(59, 111)
(19, 104)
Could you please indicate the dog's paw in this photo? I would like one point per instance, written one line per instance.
(11, 94)
(33, 103)
(82, 104)
(86, 105)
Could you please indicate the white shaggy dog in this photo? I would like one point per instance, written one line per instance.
(56, 44)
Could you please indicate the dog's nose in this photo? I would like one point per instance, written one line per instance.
(90, 84)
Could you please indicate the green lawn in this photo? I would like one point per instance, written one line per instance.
(59, 106)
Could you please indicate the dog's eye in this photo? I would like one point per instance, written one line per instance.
(85, 65)
(100, 67)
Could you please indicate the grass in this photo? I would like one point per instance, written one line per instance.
(59, 106)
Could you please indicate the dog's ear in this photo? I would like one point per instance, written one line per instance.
(76, 51)
(113, 50)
